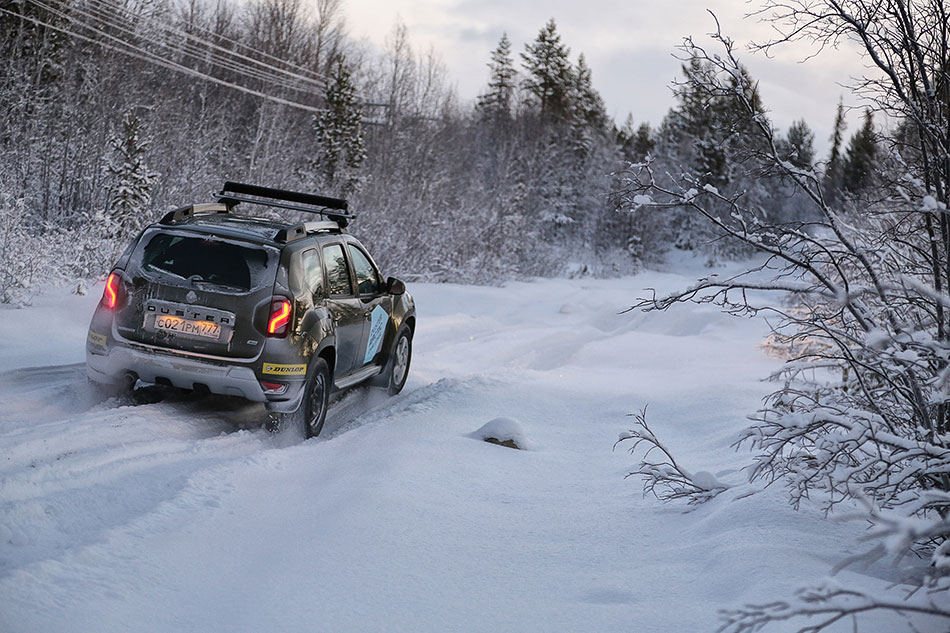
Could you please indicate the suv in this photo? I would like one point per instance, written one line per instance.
(277, 313)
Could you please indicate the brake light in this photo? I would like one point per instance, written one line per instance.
(110, 296)
(279, 323)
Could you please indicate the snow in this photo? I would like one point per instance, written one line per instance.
(184, 515)
(501, 430)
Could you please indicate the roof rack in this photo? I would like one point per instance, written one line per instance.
(183, 213)
(333, 208)
(293, 233)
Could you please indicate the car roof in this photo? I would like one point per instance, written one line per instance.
(227, 224)
(216, 219)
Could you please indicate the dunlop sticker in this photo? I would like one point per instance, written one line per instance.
(284, 370)
(97, 339)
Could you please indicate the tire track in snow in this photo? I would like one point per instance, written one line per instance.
(75, 466)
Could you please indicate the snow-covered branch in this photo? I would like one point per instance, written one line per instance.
(664, 478)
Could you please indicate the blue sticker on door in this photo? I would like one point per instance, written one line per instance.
(377, 329)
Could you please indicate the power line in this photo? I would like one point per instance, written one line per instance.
(298, 72)
(190, 49)
(141, 54)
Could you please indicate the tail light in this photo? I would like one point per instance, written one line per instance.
(279, 322)
(112, 294)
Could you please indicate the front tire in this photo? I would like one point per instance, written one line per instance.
(399, 362)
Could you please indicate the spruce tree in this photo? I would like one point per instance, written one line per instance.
(587, 112)
(833, 173)
(339, 132)
(495, 105)
(550, 76)
(643, 141)
(128, 208)
(635, 145)
(859, 161)
(800, 149)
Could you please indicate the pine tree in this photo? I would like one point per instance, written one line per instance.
(339, 132)
(131, 196)
(643, 141)
(859, 161)
(834, 172)
(587, 102)
(495, 105)
(588, 114)
(635, 145)
(701, 123)
(800, 148)
(550, 77)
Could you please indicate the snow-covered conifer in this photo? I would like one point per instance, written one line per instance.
(859, 159)
(339, 132)
(834, 171)
(129, 207)
(495, 104)
(800, 145)
(550, 75)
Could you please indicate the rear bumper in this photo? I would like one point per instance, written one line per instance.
(119, 362)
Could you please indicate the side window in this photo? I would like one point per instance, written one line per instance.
(367, 279)
(312, 272)
(338, 275)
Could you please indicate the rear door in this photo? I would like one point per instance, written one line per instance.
(345, 307)
(199, 293)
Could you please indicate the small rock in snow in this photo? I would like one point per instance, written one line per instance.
(504, 432)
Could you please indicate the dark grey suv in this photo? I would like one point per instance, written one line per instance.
(277, 313)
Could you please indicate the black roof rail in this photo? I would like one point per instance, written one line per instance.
(184, 213)
(294, 233)
(334, 208)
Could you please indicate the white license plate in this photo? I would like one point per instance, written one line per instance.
(187, 327)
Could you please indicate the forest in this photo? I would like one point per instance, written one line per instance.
(112, 113)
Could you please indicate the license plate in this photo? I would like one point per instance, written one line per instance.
(187, 327)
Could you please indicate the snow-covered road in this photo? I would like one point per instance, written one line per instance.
(183, 515)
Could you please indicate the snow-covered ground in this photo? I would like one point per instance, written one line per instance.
(183, 515)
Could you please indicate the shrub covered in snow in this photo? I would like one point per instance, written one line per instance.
(861, 417)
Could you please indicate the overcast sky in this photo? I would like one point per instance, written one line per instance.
(629, 46)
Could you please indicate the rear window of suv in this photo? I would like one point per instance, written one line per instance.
(207, 261)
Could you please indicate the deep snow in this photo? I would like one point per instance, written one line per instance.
(183, 515)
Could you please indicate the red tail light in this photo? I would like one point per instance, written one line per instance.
(110, 296)
(279, 323)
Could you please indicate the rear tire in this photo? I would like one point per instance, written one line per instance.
(316, 399)
(312, 412)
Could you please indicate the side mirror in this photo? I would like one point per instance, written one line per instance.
(395, 287)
